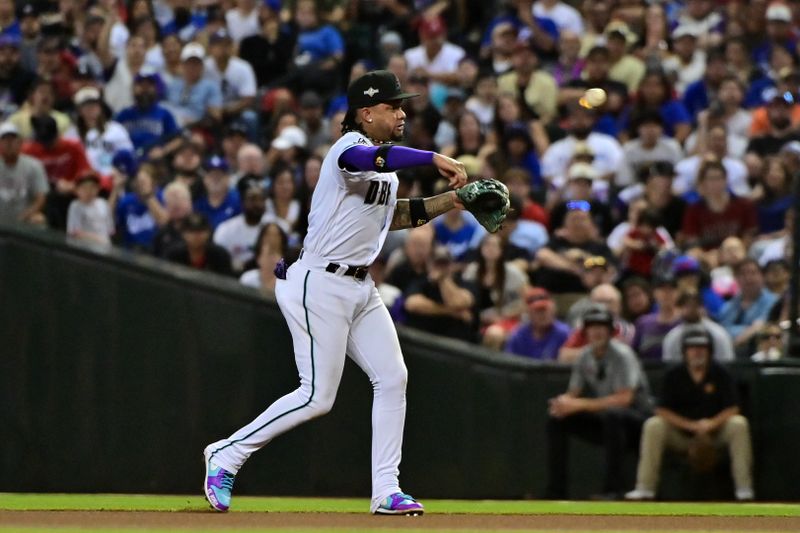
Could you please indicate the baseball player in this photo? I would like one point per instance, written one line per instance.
(329, 300)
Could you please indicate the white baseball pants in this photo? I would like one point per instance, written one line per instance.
(329, 316)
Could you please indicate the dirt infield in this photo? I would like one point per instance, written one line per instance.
(220, 522)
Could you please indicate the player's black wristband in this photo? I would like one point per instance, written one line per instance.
(381, 158)
(416, 208)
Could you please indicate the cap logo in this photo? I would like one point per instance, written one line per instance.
(372, 91)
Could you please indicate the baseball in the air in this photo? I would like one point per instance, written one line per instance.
(594, 97)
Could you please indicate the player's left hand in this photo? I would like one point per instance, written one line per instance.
(451, 169)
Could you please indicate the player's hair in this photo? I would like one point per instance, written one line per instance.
(349, 122)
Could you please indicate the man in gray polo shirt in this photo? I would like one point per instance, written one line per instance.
(606, 403)
(23, 183)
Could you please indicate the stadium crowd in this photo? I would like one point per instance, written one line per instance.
(194, 130)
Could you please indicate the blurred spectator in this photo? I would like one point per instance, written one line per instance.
(655, 188)
(313, 121)
(743, 315)
(595, 271)
(123, 70)
(459, 232)
(652, 328)
(692, 277)
(686, 65)
(23, 183)
(412, 265)
(698, 95)
(780, 129)
(89, 217)
(625, 67)
(642, 243)
(729, 111)
(31, 30)
(148, 123)
(435, 57)
(656, 96)
(40, 102)
(723, 282)
(530, 83)
(541, 336)
(196, 249)
(238, 235)
(102, 138)
(64, 161)
(242, 20)
(607, 151)
(269, 50)
(609, 297)
(606, 402)
(518, 181)
(716, 143)
(178, 205)
(780, 33)
(15, 80)
(773, 198)
(194, 97)
(318, 52)
(692, 313)
(777, 276)
(234, 137)
(770, 344)
(596, 74)
(282, 206)
(698, 402)
(649, 144)
(637, 298)
(266, 255)
(500, 285)
(581, 179)
(560, 262)
(717, 215)
(439, 303)
(236, 78)
(569, 65)
(564, 15)
(139, 213)
(497, 54)
(220, 202)
(482, 103)
(616, 239)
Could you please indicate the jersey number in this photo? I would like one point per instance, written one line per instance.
(378, 192)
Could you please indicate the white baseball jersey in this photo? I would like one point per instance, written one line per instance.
(350, 211)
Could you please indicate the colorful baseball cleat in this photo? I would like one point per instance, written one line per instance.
(217, 485)
(399, 503)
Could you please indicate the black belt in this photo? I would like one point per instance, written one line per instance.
(358, 272)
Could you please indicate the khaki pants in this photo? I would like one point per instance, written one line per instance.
(658, 434)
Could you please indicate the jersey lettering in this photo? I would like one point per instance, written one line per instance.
(378, 193)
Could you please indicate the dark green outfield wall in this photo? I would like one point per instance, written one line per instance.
(116, 370)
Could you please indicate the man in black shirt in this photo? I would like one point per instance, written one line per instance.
(439, 303)
(698, 401)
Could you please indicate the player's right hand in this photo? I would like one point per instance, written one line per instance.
(451, 169)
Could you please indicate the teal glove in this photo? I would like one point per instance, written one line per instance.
(487, 200)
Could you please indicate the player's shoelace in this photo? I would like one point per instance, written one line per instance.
(226, 482)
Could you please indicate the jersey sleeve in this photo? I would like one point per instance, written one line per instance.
(349, 140)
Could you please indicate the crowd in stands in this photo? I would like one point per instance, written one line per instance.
(195, 131)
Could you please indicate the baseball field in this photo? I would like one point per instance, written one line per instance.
(66, 513)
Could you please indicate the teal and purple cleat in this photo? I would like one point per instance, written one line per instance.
(399, 503)
(217, 485)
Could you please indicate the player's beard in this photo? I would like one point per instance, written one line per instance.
(398, 137)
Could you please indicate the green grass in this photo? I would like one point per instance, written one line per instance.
(127, 502)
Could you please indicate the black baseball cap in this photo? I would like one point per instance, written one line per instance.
(376, 87)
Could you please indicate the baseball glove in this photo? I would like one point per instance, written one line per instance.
(702, 454)
(487, 200)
